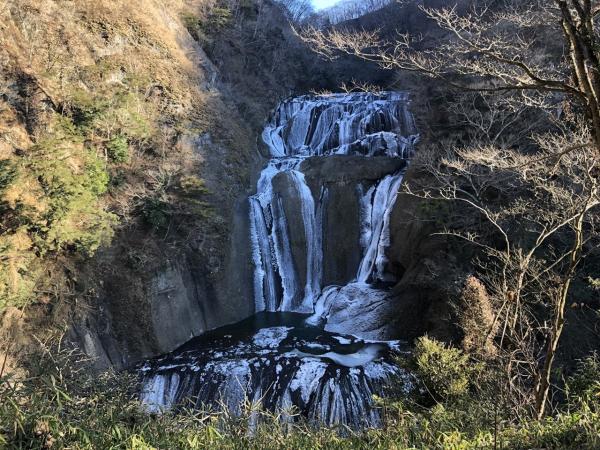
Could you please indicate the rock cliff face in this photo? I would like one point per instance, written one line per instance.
(184, 112)
(206, 281)
(341, 175)
(433, 271)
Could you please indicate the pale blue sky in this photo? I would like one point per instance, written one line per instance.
(320, 4)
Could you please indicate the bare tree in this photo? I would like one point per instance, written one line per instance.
(352, 9)
(298, 10)
(508, 48)
(506, 58)
(494, 119)
(538, 219)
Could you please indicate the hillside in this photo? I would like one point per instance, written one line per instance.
(352, 9)
(125, 146)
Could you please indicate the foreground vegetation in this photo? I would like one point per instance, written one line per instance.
(453, 407)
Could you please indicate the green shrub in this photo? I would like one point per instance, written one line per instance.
(445, 372)
(584, 385)
(192, 186)
(218, 19)
(86, 108)
(18, 273)
(8, 174)
(118, 149)
(191, 23)
(577, 430)
(72, 180)
(51, 204)
(190, 191)
(156, 213)
(104, 113)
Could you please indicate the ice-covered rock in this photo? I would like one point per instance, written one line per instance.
(361, 310)
(294, 230)
(319, 226)
(357, 123)
(330, 379)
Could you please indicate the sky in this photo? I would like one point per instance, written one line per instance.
(320, 4)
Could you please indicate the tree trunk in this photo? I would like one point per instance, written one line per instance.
(544, 379)
(585, 63)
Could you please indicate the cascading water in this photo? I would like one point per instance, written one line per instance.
(359, 124)
(376, 206)
(335, 171)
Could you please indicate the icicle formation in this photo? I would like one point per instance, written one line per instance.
(277, 368)
(275, 282)
(376, 206)
(361, 124)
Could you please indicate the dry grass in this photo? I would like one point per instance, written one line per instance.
(56, 56)
(477, 319)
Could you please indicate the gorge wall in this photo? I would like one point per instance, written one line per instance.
(213, 282)
(191, 102)
(167, 106)
(206, 281)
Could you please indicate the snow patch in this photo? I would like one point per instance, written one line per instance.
(270, 337)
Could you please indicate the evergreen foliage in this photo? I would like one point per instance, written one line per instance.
(51, 199)
(446, 372)
(118, 149)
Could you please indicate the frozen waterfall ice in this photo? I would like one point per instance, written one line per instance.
(334, 173)
(330, 379)
(363, 124)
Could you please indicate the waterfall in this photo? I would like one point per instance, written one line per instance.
(329, 379)
(376, 206)
(324, 200)
(363, 124)
(340, 123)
(313, 251)
(275, 281)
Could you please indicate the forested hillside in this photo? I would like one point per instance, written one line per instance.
(352, 9)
